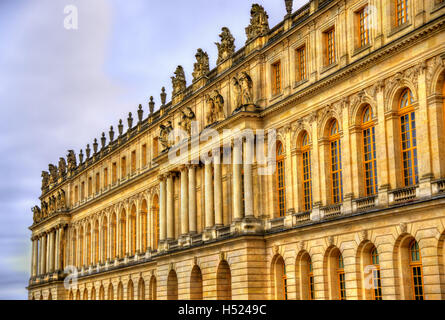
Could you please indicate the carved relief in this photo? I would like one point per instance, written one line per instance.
(178, 81)
(186, 120)
(259, 23)
(201, 66)
(215, 108)
(227, 46)
(243, 90)
(432, 66)
(164, 133)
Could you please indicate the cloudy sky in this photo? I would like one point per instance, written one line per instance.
(60, 89)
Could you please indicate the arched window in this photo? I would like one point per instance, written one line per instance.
(415, 264)
(341, 278)
(105, 239)
(408, 138)
(88, 236)
(123, 234)
(279, 270)
(96, 243)
(133, 231)
(311, 280)
(144, 226)
(113, 236)
(376, 280)
(153, 288)
(74, 261)
(281, 197)
(110, 292)
(141, 289)
(336, 167)
(130, 290)
(155, 216)
(306, 173)
(369, 152)
(81, 234)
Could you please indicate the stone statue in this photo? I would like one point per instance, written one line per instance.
(52, 173)
(62, 167)
(201, 67)
(45, 180)
(163, 135)
(227, 46)
(259, 23)
(36, 213)
(71, 158)
(246, 87)
(215, 107)
(44, 210)
(211, 113)
(243, 87)
(52, 204)
(237, 92)
(219, 105)
(186, 120)
(61, 203)
(178, 81)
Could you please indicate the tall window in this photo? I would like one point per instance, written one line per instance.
(76, 194)
(284, 279)
(336, 168)
(155, 213)
(105, 178)
(330, 46)
(306, 165)
(416, 270)
(82, 191)
(280, 180)
(144, 155)
(276, 78)
(402, 11)
(123, 167)
(377, 285)
(369, 153)
(155, 147)
(363, 26)
(341, 277)
(311, 281)
(408, 138)
(133, 161)
(301, 63)
(97, 182)
(114, 173)
(90, 186)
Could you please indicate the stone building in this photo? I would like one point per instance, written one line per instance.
(355, 205)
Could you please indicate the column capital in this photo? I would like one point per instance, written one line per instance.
(183, 167)
(162, 177)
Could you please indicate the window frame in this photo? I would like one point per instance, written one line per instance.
(277, 78)
(369, 126)
(306, 171)
(301, 63)
(280, 162)
(335, 139)
(416, 265)
(363, 15)
(330, 56)
(410, 113)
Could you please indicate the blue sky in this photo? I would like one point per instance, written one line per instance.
(60, 89)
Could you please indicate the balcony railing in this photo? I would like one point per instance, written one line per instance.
(365, 203)
(402, 195)
(332, 210)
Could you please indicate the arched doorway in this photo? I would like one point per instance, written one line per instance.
(130, 290)
(279, 278)
(141, 289)
(172, 286)
(153, 289)
(196, 284)
(223, 281)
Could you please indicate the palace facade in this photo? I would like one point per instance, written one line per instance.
(355, 208)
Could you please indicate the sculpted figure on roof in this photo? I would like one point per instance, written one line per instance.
(227, 46)
(201, 67)
(259, 23)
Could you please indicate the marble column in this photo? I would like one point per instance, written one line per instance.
(34, 257)
(218, 190)
(248, 186)
(162, 210)
(170, 209)
(209, 207)
(192, 198)
(44, 253)
(39, 256)
(184, 201)
(237, 180)
(56, 249)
